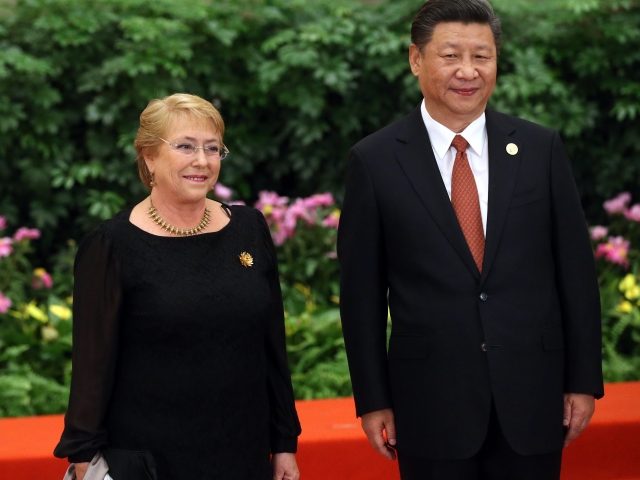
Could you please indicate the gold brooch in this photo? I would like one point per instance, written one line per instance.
(246, 260)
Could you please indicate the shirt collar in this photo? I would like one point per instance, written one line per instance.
(441, 137)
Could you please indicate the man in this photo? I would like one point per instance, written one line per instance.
(465, 225)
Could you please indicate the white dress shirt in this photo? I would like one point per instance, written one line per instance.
(477, 153)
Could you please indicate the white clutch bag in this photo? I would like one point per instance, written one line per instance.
(98, 470)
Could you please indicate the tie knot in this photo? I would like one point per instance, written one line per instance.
(459, 143)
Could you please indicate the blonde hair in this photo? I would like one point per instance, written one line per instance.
(158, 115)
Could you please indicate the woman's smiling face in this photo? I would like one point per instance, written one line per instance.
(179, 174)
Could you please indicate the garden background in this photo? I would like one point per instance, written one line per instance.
(297, 82)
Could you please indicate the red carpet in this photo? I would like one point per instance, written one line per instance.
(333, 446)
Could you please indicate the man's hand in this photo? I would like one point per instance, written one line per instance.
(381, 431)
(285, 466)
(578, 409)
(80, 470)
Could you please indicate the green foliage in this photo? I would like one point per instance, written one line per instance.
(574, 65)
(297, 84)
(24, 392)
(618, 253)
(621, 326)
(74, 76)
(35, 329)
(316, 355)
(305, 233)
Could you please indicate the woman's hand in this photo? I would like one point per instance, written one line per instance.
(81, 470)
(285, 466)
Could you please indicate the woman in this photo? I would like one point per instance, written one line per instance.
(179, 347)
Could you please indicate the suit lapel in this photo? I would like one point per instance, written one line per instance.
(416, 159)
(503, 171)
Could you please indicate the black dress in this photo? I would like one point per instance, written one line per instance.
(179, 350)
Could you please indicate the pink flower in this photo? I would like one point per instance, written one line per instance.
(274, 208)
(3, 223)
(5, 303)
(319, 200)
(598, 232)
(283, 216)
(267, 201)
(332, 220)
(5, 246)
(617, 204)
(633, 213)
(41, 279)
(616, 251)
(280, 235)
(24, 233)
(299, 210)
(281, 230)
(223, 192)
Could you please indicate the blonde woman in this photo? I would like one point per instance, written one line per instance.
(179, 360)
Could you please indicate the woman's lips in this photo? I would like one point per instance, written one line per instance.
(196, 178)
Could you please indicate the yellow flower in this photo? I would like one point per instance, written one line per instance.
(39, 272)
(302, 288)
(36, 312)
(624, 307)
(49, 333)
(628, 282)
(633, 293)
(60, 311)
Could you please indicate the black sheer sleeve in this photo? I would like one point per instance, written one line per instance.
(97, 297)
(284, 423)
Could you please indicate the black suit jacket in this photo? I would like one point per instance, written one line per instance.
(521, 333)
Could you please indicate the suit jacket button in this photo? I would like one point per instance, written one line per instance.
(484, 347)
(484, 296)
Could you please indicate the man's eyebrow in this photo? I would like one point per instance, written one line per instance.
(482, 46)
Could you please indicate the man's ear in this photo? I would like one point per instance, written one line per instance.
(415, 59)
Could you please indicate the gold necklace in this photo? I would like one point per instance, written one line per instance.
(182, 232)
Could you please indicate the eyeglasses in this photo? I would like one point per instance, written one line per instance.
(189, 149)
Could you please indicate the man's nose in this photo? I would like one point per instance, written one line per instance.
(467, 70)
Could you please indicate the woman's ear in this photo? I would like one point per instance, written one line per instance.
(149, 160)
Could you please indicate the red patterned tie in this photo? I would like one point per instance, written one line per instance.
(464, 197)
